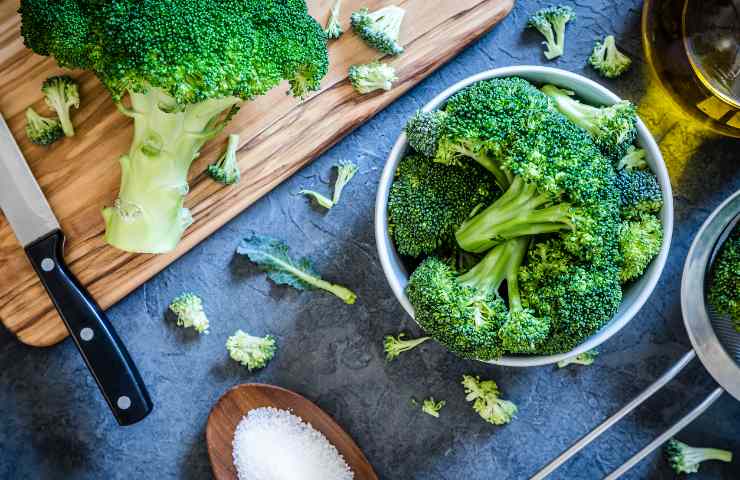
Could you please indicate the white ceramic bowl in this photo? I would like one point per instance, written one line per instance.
(590, 92)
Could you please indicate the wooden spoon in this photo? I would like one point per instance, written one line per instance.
(238, 401)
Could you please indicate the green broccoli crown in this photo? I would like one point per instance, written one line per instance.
(639, 242)
(192, 49)
(394, 346)
(429, 200)
(62, 94)
(188, 308)
(380, 29)
(252, 352)
(226, 169)
(639, 192)
(634, 159)
(724, 287)
(372, 76)
(607, 60)
(42, 130)
(485, 396)
(686, 459)
(551, 22)
(423, 131)
(586, 358)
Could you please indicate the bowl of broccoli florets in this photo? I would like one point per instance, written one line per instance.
(524, 216)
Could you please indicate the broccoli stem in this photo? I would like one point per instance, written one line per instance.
(694, 455)
(449, 152)
(516, 213)
(148, 215)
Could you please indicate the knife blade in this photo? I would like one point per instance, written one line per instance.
(37, 229)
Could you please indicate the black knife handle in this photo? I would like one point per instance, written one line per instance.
(104, 353)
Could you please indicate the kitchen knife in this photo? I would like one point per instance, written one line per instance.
(37, 229)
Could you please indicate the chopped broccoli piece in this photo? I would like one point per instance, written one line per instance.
(423, 131)
(380, 29)
(395, 346)
(550, 22)
(188, 308)
(430, 407)
(61, 94)
(372, 76)
(640, 240)
(333, 27)
(252, 352)
(634, 159)
(42, 130)
(686, 459)
(318, 198)
(724, 287)
(186, 66)
(485, 397)
(613, 128)
(639, 192)
(585, 358)
(346, 171)
(226, 169)
(271, 256)
(607, 60)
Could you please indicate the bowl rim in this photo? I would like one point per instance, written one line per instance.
(577, 83)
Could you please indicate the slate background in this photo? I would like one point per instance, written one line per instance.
(53, 424)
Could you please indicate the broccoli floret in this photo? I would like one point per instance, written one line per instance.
(634, 159)
(607, 60)
(485, 397)
(613, 128)
(188, 308)
(430, 407)
(346, 171)
(686, 459)
(186, 66)
(380, 29)
(428, 201)
(639, 242)
(423, 131)
(61, 94)
(585, 358)
(226, 169)
(639, 192)
(252, 352)
(333, 27)
(724, 287)
(395, 346)
(372, 76)
(550, 22)
(42, 130)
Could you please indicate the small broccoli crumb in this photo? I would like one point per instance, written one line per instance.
(333, 27)
(346, 170)
(430, 407)
(394, 346)
(252, 352)
(188, 308)
(485, 397)
(634, 159)
(607, 60)
(61, 94)
(226, 169)
(686, 459)
(380, 29)
(372, 76)
(42, 130)
(318, 198)
(550, 22)
(585, 358)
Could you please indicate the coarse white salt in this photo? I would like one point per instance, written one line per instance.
(274, 444)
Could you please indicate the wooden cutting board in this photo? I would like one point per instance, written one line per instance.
(279, 135)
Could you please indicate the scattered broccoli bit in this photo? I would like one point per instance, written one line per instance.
(226, 169)
(333, 27)
(613, 128)
(639, 193)
(585, 358)
(61, 94)
(550, 22)
(372, 76)
(395, 346)
(346, 171)
(271, 256)
(640, 240)
(430, 407)
(42, 130)
(634, 159)
(724, 287)
(607, 60)
(380, 29)
(188, 308)
(485, 397)
(183, 63)
(252, 352)
(686, 459)
(318, 198)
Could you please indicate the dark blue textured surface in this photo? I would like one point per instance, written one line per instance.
(53, 424)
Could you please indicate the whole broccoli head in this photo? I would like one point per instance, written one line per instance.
(607, 60)
(724, 286)
(186, 65)
(639, 193)
(640, 240)
(550, 22)
(61, 94)
(42, 130)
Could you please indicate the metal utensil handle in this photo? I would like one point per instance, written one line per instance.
(606, 424)
(665, 436)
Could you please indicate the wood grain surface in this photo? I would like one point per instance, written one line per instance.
(279, 135)
(237, 402)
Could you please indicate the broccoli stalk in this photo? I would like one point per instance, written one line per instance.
(252, 352)
(430, 407)
(333, 28)
(486, 400)
(380, 29)
(42, 130)
(226, 169)
(372, 76)
(188, 308)
(318, 198)
(346, 170)
(550, 22)
(686, 459)
(395, 346)
(61, 94)
(585, 358)
(607, 60)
